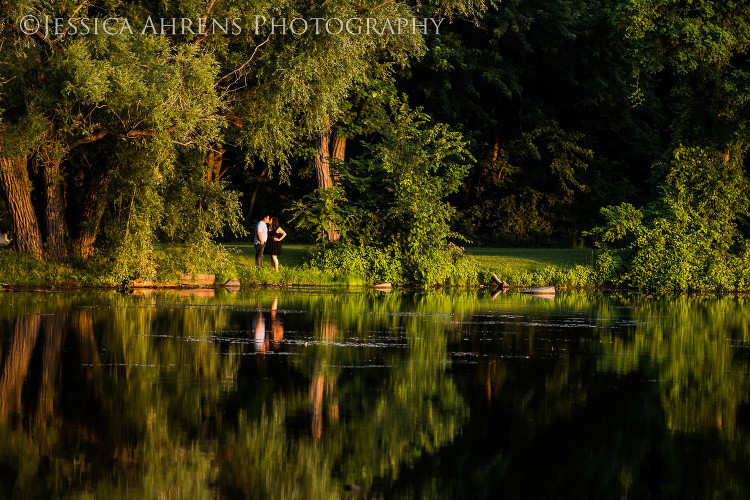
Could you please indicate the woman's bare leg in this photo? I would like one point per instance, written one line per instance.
(275, 259)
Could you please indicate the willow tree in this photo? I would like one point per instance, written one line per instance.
(76, 107)
(292, 90)
(69, 103)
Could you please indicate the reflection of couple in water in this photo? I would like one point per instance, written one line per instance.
(259, 329)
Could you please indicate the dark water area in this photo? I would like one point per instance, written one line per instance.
(323, 394)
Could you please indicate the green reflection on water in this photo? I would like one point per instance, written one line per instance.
(282, 394)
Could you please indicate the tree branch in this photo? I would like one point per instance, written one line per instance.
(208, 11)
(100, 134)
(246, 62)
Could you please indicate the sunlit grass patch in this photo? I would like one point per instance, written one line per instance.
(537, 266)
(24, 270)
(292, 255)
(528, 259)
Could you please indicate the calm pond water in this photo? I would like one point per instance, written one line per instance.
(323, 394)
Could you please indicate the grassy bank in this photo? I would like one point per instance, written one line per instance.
(517, 266)
(23, 270)
(530, 259)
(19, 270)
(293, 267)
(537, 266)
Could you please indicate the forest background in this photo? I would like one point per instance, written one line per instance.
(614, 124)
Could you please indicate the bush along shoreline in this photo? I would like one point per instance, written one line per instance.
(343, 266)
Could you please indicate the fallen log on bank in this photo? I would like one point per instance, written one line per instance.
(498, 282)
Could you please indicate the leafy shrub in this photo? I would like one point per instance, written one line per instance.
(166, 197)
(609, 268)
(374, 265)
(448, 266)
(390, 207)
(689, 239)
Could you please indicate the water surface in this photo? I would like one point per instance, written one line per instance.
(324, 394)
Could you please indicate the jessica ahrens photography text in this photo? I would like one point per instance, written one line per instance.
(48, 26)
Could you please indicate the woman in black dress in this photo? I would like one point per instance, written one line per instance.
(273, 245)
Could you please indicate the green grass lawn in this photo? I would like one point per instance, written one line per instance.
(519, 259)
(529, 259)
(489, 257)
(291, 255)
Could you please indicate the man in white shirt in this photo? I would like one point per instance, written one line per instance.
(261, 236)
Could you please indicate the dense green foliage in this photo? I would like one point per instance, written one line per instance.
(694, 235)
(112, 146)
(541, 89)
(688, 239)
(122, 136)
(120, 126)
(390, 206)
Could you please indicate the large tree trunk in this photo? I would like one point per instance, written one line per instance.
(213, 165)
(14, 177)
(322, 159)
(57, 226)
(328, 145)
(338, 152)
(93, 211)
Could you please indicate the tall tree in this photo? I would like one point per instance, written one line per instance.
(541, 89)
(694, 233)
(69, 99)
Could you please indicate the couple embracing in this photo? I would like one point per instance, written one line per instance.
(268, 236)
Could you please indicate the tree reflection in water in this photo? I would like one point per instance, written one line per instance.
(280, 394)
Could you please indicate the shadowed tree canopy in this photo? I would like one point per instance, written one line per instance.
(694, 235)
(541, 88)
